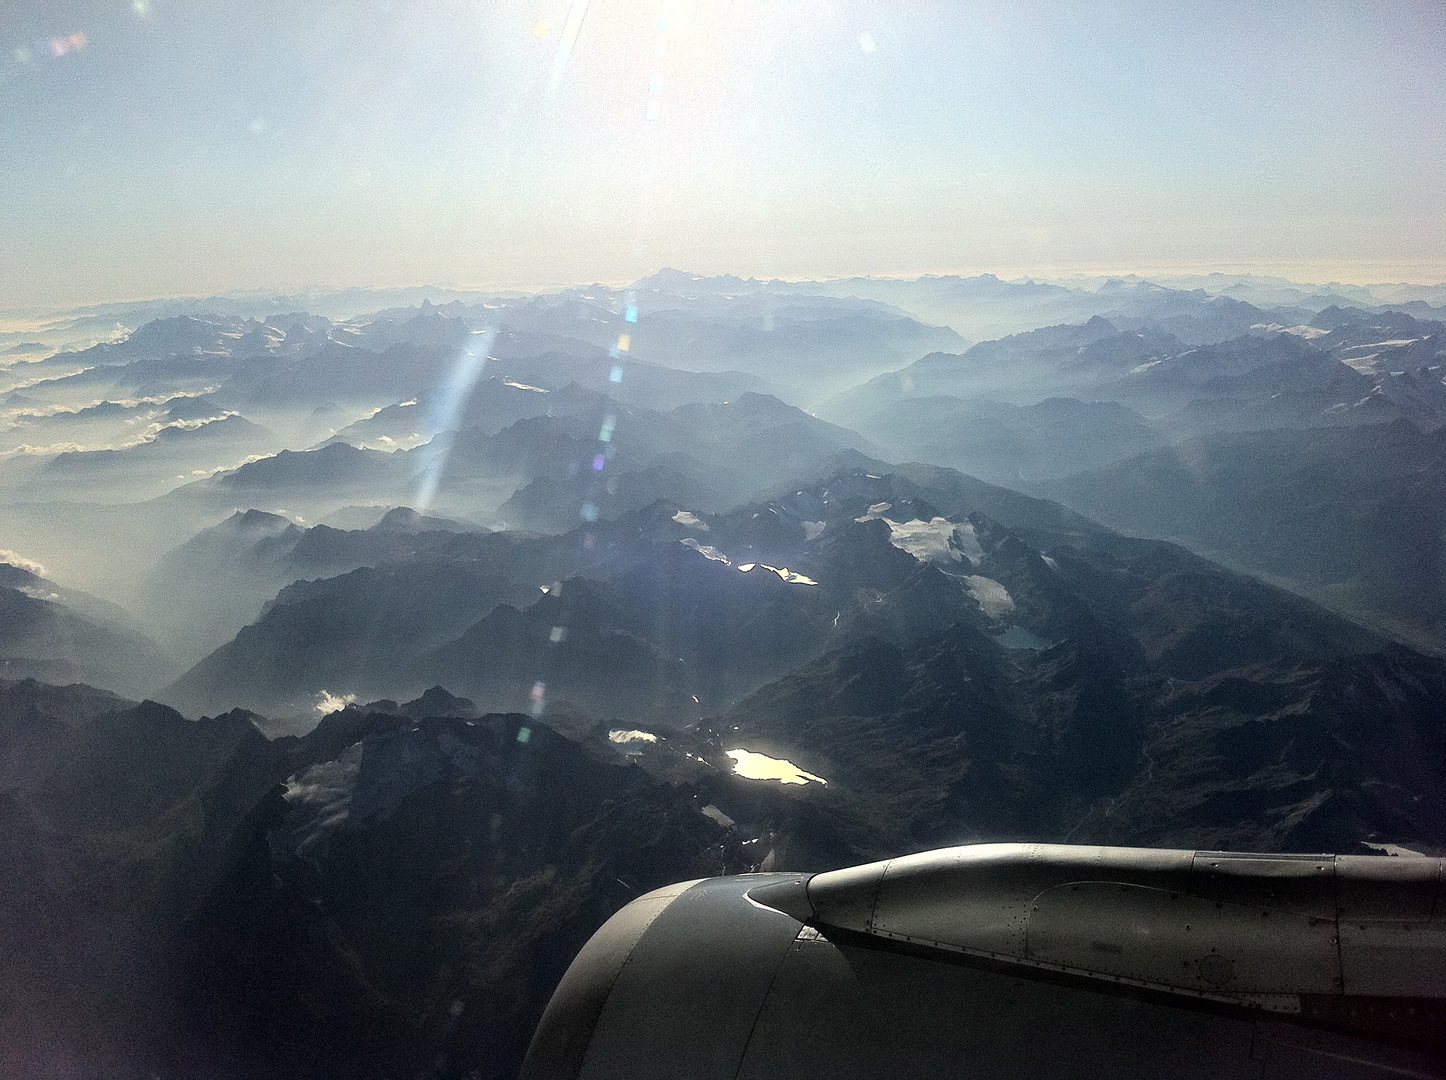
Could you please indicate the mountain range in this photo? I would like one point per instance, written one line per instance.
(385, 644)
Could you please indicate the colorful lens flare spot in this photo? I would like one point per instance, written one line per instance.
(59, 46)
(616, 375)
(539, 691)
(597, 463)
(631, 314)
(625, 342)
(523, 734)
(588, 512)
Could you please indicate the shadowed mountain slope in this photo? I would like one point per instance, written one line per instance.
(1353, 517)
(670, 615)
(63, 636)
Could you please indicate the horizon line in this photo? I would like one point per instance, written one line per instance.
(1380, 275)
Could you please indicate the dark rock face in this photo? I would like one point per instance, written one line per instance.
(115, 820)
(412, 902)
(400, 889)
(384, 892)
(1305, 759)
(957, 740)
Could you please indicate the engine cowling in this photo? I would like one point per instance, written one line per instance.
(1017, 960)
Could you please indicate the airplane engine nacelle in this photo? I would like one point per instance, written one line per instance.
(1015, 961)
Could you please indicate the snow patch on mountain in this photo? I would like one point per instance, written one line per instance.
(623, 736)
(993, 598)
(937, 540)
(706, 550)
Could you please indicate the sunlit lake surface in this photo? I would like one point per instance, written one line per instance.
(761, 767)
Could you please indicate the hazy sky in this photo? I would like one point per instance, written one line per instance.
(161, 147)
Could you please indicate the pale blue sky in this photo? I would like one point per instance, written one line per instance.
(184, 147)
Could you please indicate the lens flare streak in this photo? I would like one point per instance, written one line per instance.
(575, 14)
(465, 374)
